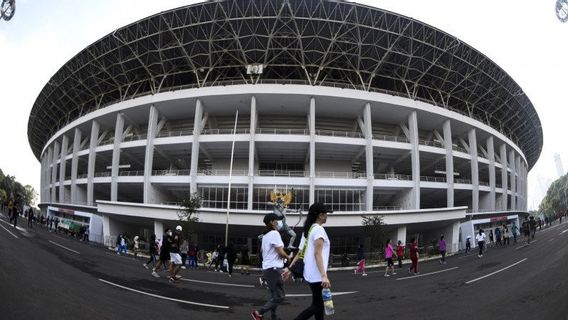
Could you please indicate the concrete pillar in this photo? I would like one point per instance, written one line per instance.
(75, 164)
(312, 117)
(401, 234)
(56, 156)
(62, 167)
(518, 174)
(491, 156)
(504, 175)
(369, 154)
(149, 153)
(472, 137)
(49, 168)
(455, 238)
(118, 131)
(448, 144)
(158, 229)
(106, 231)
(252, 151)
(513, 179)
(415, 160)
(195, 145)
(95, 127)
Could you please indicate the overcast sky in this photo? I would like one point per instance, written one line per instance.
(524, 37)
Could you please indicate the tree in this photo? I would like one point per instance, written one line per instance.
(30, 195)
(373, 227)
(3, 196)
(187, 216)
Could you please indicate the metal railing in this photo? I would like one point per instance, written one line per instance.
(333, 133)
(388, 176)
(282, 173)
(386, 208)
(134, 173)
(103, 174)
(390, 138)
(174, 133)
(460, 149)
(430, 143)
(217, 172)
(282, 131)
(346, 175)
(82, 176)
(464, 181)
(183, 172)
(484, 183)
(225, 131)
(135, 137)
(432, 179)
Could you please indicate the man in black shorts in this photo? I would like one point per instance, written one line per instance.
(164, 253)
(175, 257)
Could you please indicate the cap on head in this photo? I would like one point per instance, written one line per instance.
(178, 228)
(269, 218)
(318, 208)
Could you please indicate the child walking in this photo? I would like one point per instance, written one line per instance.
(360, 261)
(388, 256)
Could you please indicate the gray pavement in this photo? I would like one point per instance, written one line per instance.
(49, 276)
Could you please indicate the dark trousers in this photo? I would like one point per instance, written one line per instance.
(399, 258)
(231, 262)
(316, 308)
(414, 265)
(481, 244)
(152, 259)
(273, 278)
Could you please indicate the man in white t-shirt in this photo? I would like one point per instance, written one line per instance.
(480, 237)
(273, 256)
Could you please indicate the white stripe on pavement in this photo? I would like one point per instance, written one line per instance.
(219, 283)
(563, 231)
(495, 272)
(64, 247)
(15, 236)
(165, 298)
(296, 295)
(525, 245)
(426, 274)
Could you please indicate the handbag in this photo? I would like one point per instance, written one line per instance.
(298, 268)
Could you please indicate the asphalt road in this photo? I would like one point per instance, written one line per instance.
(49, 276)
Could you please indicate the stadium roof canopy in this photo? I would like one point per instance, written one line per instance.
(312, 42)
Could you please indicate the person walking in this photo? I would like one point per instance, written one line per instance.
(360, 261)
(231, 257)
(388, 257)
(184, 251)
(399, 253)
(164, 258)
(175, 257)
(30, 218)
(467, 244)
(273, 270)
(491, 241)
(442, 248)
(118, 244)
(153, 251)
(526, 230)
(480, 238)
(506, 235)
(214, 258)
(136, 246)
(515, 232)
(316, 259)
(413, 257)
(245, 260)
(532, 225)
(192, 255)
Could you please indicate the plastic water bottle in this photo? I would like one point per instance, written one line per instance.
(327, 302)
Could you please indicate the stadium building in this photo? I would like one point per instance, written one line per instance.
(368, 111)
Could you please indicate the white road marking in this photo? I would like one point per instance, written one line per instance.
(57, 244)
(564, 231)
(165, 298)
(10, 232)
(426, 274)
(296, 295)
(525, 245)
(552, 239)
(219, 283)
(495, 272)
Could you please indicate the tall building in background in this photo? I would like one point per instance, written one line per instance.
(365, 110)
(559, 167)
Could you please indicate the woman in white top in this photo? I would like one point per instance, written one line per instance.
(316, 259)
(480, 237)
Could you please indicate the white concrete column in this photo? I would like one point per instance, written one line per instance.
(491, 156)
(42, 180)
(369, 154)
(158, 229)
(513, 179)
(56, 156)
(448, 144)
(312, 117)
(401, 234)
(415, 160)
(118, 131)
(252, 151)
(95, 127)
(518, 188)
(149, 153)
(472, 137)
(62, 167)
(504, 175)
(75, 164)
(195, 145)
(106, 231)
(455, 239)
(48, 174)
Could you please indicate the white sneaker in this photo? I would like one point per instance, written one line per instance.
(386, 275)
(183, 267)
(178, 276)
(155, 274)
(393, 273)
(364, 274)
(145, 266)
